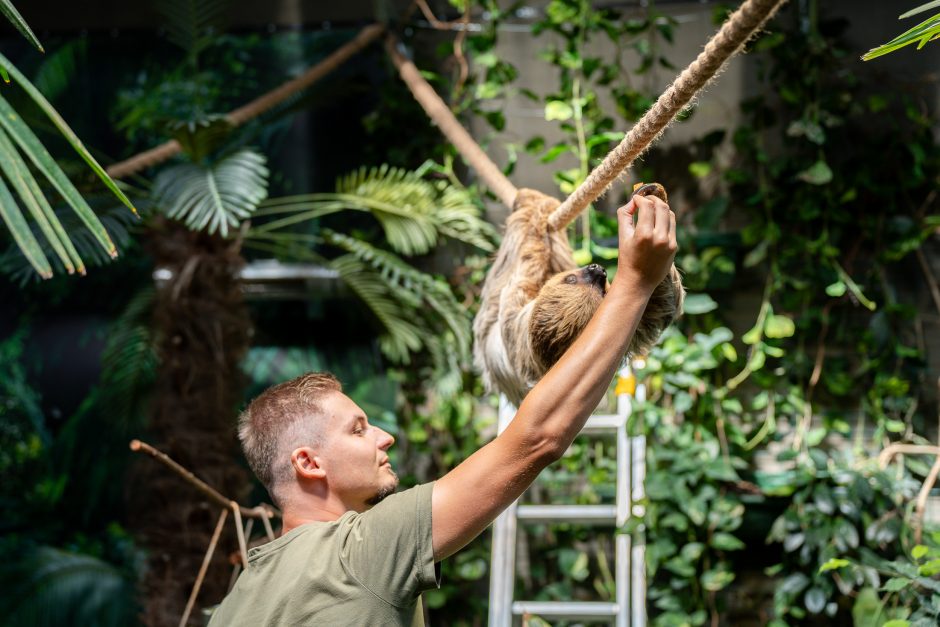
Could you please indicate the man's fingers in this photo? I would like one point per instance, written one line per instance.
(672, 230)
(646, 222)
(625, 219)
(662, 219)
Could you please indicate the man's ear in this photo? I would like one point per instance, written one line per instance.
(306, 463)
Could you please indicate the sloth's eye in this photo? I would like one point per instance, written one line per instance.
(571, 279)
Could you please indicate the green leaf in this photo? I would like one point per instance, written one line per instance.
(836, 289)
(22, 181)
(696, 304)
(700, 169)
(834, 563)
(817, 174)
(815, 600)
(582, 256)
(726, 542)
(897, 622)
(33, 148)
(896, 584)
(66, 132)
(753, 336)
(920, 34)
(921, 9)
(558, 110)
(9, 11)
(920, 550)
(56, 587)
(716, 579)
(22, 234)
(779, 326)
(213, 198)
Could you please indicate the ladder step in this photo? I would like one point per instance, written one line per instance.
(566, 610)
(603, 423)
(579, 514)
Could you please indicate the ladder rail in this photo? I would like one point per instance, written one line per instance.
(629, 608)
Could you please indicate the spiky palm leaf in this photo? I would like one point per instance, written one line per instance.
(117, 221)
(214, 197)
(926, 31)
(9, 11)
(21, 145)
(51, 587)
(412, 211)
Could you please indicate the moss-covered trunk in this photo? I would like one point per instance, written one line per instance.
(202, 332)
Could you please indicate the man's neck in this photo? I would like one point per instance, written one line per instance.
(310, 510)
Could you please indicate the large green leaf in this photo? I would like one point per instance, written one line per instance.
(214, 197)
(64, 129)
(46, 586)
(36, 152)
(17, 173)
(9, 11)
(22, 234)
(413, 212)
(926, 31)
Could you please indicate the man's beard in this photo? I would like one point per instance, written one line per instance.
(384, 491)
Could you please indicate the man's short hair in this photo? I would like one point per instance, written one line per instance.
(282, 418)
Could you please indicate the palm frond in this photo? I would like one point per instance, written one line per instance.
(926, 31)
(413, 212)
(402, 336)
(9, 11)
(116, 220)
(192, 24)
(411, 287)
(214, 197)
(39, 156)
(47, 586)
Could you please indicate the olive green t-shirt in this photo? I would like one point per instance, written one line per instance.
(362, 569)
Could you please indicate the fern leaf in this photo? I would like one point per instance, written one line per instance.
(214, 197)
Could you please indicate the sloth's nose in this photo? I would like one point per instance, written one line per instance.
(596, 270)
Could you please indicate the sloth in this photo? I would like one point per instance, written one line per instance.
(536, 300)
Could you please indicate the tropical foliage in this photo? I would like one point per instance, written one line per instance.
(802, 352)
(18, 141)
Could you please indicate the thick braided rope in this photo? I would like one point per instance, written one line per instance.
(448, 124)
(256, 107)
(733, 34)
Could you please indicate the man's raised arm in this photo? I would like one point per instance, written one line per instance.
(473, 494)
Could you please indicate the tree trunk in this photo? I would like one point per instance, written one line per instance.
(202, 330)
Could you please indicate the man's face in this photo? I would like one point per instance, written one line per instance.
(355, 454)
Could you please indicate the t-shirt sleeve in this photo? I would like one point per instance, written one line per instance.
(388, 548)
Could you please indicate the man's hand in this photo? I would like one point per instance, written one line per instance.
(648, 247)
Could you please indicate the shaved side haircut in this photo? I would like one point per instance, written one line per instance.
(283, 418)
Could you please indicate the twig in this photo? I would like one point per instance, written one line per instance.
(256, 107)
(448, 124)
(931, 281)
(921, 506)
(240, 532)
(199, 484)
(202, 569)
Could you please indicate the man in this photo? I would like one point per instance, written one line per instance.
(350, 556)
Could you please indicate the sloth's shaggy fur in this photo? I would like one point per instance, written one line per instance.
(536, 301)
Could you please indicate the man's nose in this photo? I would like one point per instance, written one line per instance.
(384, 439)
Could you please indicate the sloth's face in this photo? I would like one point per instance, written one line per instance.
(563, 308)
(592, 275)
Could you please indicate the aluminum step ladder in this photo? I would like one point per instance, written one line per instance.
(629, 609)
